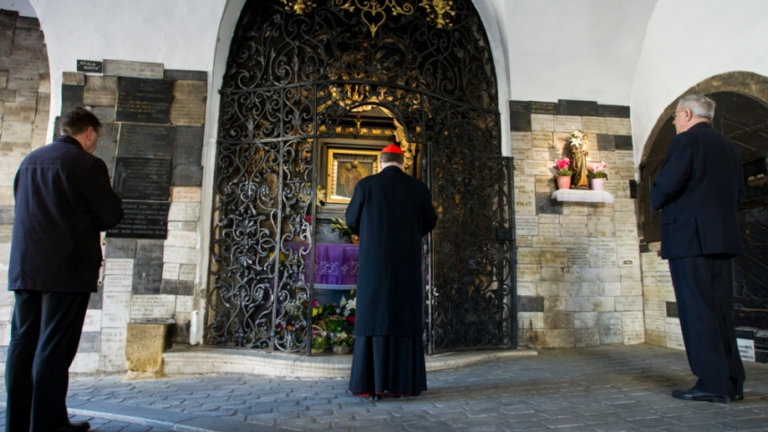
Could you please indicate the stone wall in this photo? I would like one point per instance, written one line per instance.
(578, 275)
(25, 98)
(662, 326)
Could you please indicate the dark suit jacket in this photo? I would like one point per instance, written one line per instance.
(63, 200)
(391, 212)
(697, 190)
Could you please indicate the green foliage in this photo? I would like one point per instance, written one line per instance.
(340, 225)
(564, 173)
(597, 175)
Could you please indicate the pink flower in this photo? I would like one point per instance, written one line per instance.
(563, 163)
(596, 167)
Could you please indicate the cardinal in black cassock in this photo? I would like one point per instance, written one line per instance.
(391, 212)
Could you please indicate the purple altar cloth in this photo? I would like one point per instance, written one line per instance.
(336, 265)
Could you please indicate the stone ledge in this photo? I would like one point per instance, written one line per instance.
(195, 361)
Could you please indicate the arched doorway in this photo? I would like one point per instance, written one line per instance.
(296, 69)
(741, 115)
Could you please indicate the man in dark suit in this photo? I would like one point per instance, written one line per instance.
(697, 191)
(391, 212)
(63, 201)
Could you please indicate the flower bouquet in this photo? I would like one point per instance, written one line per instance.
(342, 342)
(340, 225)
(564, 174)
(319, 342)
(597, 175)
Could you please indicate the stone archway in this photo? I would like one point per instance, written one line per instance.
(289, 80)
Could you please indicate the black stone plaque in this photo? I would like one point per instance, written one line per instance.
(143, 100)
(544, 108)
(523, 107)
(187, 156)
(71, 97)
(146, 141)
(606, 142)
(177, 287)
(89, 66)
(143, 179)
(578, 108)
(148, 267)
(633, 189)
(742, 333)
(761, 356)
(616, 111)
(623, 142)
(185, 75)
(143, 220)
(530, 304)
(121, 248)
(519, 116)
(672, 310)
(761, 342)
(105, 150)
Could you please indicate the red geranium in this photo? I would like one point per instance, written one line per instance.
(351, 319)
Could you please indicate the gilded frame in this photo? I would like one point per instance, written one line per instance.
(355, 163)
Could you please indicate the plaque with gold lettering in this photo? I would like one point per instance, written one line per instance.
(146, 220)
(142, 178)
(145, 141)
(144, 100)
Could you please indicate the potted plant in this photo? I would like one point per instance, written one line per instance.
(597, 175)
(340, 225)
(564, 175)
(342, 342)
(319, 342)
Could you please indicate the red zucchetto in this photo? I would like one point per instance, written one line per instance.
(392, 149)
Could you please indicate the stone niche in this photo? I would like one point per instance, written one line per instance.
(579, 281)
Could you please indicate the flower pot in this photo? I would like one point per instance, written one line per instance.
(597, 183)
(317, 351)
(342, 349)
(564, 182)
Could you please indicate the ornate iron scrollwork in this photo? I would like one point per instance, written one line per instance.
(290, 79)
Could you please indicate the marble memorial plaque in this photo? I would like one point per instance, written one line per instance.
(627, 247)
(185, 211)
(601, 226)
(133, 69)
(534, 167)
(527, 225)
(577, 108)
(617, 188)
(542, 140)
(602, 245)
(625, 157)
(92, 321)
(30, 97)
(18, 133)
(177, 287)
(575, 209)
(182, 239)
(559, 242)
(525, 199)
(628, 260)
(522, 154)
(554, 257)
(144, 100)
(180, 255)
(606, 143)
(573, 220)
(523, 107)
(148, 268)
(28, 37)
(624, 205)
(626, 232)
(578, 257)
(117, 309)
(153, 306)
(528, 256)
(188, 272)
(619, 126)
(600, 209)
(185, 75)
(71, 97)
(610, 325)
(145, 179)
(118, 266)
(7, 95)
(186, 194)
(544, 108)
(521, 140)
(73, 78)
(574, 230)
(100, 91)
(120, 248)
(3, 79)
(171, 271)
(549, 219)
(633, 328)
(617, 111)
(629, 303)
(601, 260)
(187, 112)
(90, 342)
(542, 155)
(90, 66)
(118, 283)
(522, 178)
(182, 226)
(549, 230)
(146, 141)
(545, 184)
(23, 68)
(567, 123)
(143, 219)
(623, 142)
(594, 125)
(527, 272)
(184, 303)
(542, 123)
(112, 357)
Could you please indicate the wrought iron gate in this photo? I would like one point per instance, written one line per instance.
(295, 69)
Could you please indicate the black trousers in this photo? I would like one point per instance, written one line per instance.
(704, 290)
(45, 334)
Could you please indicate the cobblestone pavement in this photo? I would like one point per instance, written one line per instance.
(594, 389)
(102, 425)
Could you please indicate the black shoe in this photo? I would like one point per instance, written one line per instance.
(374, 397)
(76, 427)
(738, 393)
(693, 394)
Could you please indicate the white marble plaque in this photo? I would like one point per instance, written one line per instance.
(542, 140)
(602, 245)
(181, 211)
(182, 226)
(521, 140)
(675, 341)
(549, 230)
(654, 323)
(133, 69)
(528, 256)
(180, 255)
(527, 225)
(625, 157)
(17, 132)
(567, 123)
(525, 241)
(628, 247)
(187, 194)
(184, 303)
(594, 125)
(545, 184)
(528, 272)
(601, 260)
(118, 266)
(533, 167)
(118, 282)
(618, 126)
(573, 220)
(92, 321)
(187, 272)
(626, 232)
(629, 303)
(608, 157)
(559, 242)
(626, 220)
(186, 239)
(617, 188)
(187, 112)
(18, 112)
(153, 306)
(624, 172)
(522, 178)
(85, 363)
(112, 357)
(624, 205)
(171, 271)
(633, 328)
(746, 349)
(578, 257)
(522, 154)
(575, 208)
(116, 310)
(554, 257)
(525, 199)
(542, 155)
(655, 308)
(542, 122)
(526, 289)
(574, 230)
(600, 209)
(610, 328)
(628, 260)
(549, 219)
(601, 226)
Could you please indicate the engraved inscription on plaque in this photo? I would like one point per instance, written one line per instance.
(544, 108)
(144, 179)
(619, 126)
(100, 91)
(153, 306)
(144, 100)
(618, 111)
(188, 107)
(567, 123)
(89, 66)
(527, 225)
(521, 140)
(578, 108)
(187, 158)
(143, 219)
(594, 125)
(146, 141)
(105, 149)
(133, 69)
(519, 116)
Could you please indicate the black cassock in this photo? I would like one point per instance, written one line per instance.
(391, 212)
